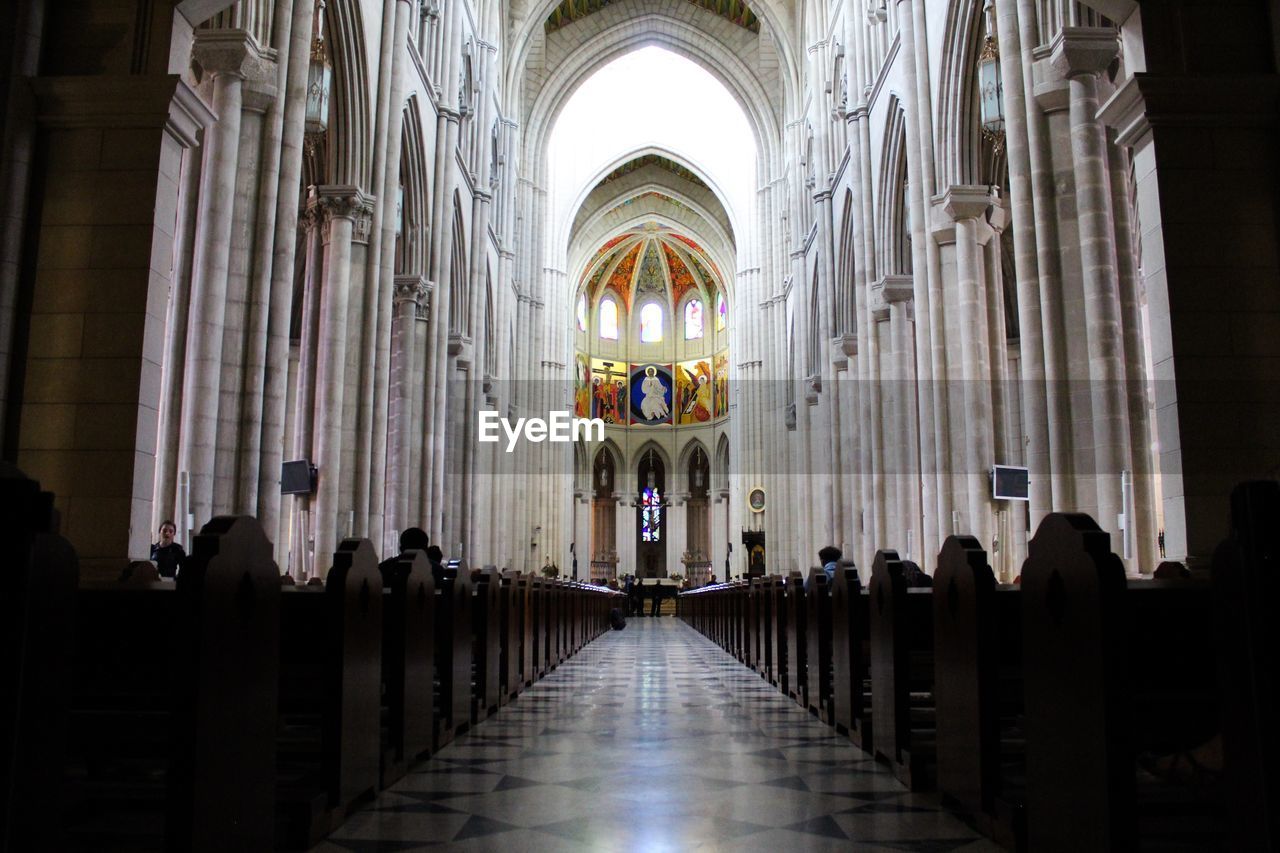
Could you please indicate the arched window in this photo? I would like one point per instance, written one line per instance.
(651, 323)
(582, 313)
(722, 312)
(609, 319)
(693, 319)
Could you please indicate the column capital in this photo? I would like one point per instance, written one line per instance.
(236, 53)
(413, 289)
(964, 201)
(1075, 51)
(343, 202)
(847, 344)
(897, 288)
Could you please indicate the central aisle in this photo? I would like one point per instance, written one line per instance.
(650, 739)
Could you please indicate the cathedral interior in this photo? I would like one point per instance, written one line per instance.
(910, 279)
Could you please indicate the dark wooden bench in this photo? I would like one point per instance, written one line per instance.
(851, 656)
(979, 692)
(171, 729)
(39, 574)
(453, 651)
(1114, 669)
(487, 629)
(1246, 580)
(818, 685)
(408, 664)
(329, 745)
(797, 640)
(902, 710)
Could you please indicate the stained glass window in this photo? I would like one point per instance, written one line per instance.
(651, 516)
(609, 319)
(693, 319)
(722, 312)
(651, 323)
(582, 313)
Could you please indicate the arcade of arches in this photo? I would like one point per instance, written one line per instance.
(1019, 232)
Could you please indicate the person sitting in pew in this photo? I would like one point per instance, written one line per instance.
(828, 557)
(436, 558)
(1169, 570)
(915, 576)
(168, 554)
(412, 539)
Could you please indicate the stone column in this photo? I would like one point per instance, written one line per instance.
(1035, 414)
(112, 152)
(624, 532)
(1192, 134)
(410, 297)
(1080, 54)
(342, 207)
(229, 56)
(966, 206)
(676, 530)
(898, 292)
(719, 534)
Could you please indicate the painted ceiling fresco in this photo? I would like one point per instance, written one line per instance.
(733, 11)
(651, 259)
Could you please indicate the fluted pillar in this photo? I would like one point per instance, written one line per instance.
(410, 296)
(1080, 54)
(967, 207)
(342, 208)
(229, 56)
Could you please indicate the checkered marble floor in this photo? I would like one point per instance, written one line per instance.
(652, 739)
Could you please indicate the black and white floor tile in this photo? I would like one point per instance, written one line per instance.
(652, 739)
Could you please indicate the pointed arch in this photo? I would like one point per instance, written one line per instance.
(351, 127)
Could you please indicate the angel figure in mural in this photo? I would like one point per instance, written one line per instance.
(654, 404)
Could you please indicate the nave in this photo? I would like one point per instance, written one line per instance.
(651, 739)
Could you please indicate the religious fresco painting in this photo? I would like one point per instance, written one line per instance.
(609, 391)
(693, 392)
(581, 386)
(651, 394)
(722, 383)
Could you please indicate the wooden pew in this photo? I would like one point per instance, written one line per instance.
(764, 631)
(521, 645)
(171, 733)
(1113, 668)
(818, 688)
(751, 647)
(1246, 580)
(329, 743)
(979, 692)
(901, 634)
(39, 573)
(453, 651)
(509, 629)
(487, 632)
(851, 656)
(778, 610)
(797, 640)
(408, 664)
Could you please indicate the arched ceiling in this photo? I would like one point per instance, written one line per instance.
(653, 160)
(733, 11)
(651, 259)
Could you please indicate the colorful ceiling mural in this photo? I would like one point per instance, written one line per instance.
(651, 259)
(733, 11)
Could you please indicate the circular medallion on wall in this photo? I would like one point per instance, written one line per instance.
(755, 499)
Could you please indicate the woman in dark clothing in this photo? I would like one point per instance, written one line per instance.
(167, 554)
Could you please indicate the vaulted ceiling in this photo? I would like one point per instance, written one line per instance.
(734, 11)
(651, 259)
